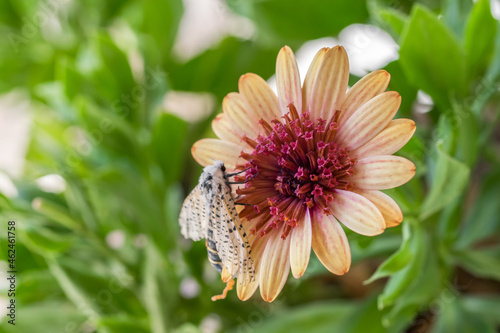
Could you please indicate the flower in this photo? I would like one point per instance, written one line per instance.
(315, 155)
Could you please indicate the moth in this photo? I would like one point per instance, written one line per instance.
(209, 212)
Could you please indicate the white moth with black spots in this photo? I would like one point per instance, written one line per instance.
(209, 212)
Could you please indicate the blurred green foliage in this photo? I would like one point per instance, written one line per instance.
(99, 123)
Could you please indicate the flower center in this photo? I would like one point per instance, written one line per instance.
(295, 166)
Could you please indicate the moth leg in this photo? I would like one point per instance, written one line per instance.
(229, 286)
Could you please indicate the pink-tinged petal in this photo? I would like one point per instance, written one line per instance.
(300, 246)
(205, 151)
(258, 97)
(388, 207)
(330, 244)
(389, 140)
(311, 77)
(382, 172)
(223, 129)
(274, 267)
(330, 86)
(357, 213)
(288, 80)
(365, 89)
(369, 120)
(241, 119)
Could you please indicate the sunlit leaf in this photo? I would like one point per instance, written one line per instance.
(432, 57)
(298, 21)
(480, 37)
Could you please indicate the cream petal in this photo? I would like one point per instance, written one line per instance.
(357, 213)
(205, 151)
(382, 172)
(245, 291)
(300, 246)
(225, 131)
(258, 97)
(365, 89)
(330, 243)
(330, 85)
(288, 80)
(311, 77)
(274, 267)
(388, 207)
(369, 120)
(389, 140)
(241, 119)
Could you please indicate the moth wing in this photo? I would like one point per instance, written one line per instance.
(233, 247)
(217, 222)
(240, 240)
(193, 217)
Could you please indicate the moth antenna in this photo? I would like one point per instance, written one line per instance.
(227, 175)
(244, 182)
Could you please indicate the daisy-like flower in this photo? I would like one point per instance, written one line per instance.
(316, 155)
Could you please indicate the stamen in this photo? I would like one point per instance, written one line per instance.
(296, 165)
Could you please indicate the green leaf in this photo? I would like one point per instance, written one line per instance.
(37, 285)
(73, 291)
(421, 291)
(431, 57)
(467, 129)
(365, 318)
(485, 306)
(315, 318)
(125, 323)
(481, 263)
(153, 302)
(45, 317)
(396, 261)
(56, 213)
(78, 203)
(393, 19)
(452, 317)
(482, 220)
(115, 61)
(169, 145)
(69, 76)
(217, 70)
(455, 14)
(399, 82)
(296, 21)
(161, 20)
(479, 38)
(448, 181)
(402, 279)
(43, 239)
(493, 71)
(381, 246)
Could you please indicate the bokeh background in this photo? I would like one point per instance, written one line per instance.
(100, 102)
